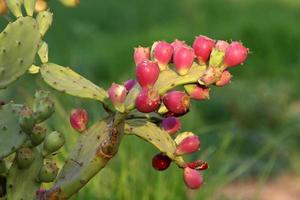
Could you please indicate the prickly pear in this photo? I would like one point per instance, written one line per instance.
(188, 145)
(37, 135)
(161, 162)
(224, 79)
(178, 43)
(198, 92)
(222, 45)
(171, 125)
(198, 165)
(129, 84)
(27, 119)
(40, 5)
(203, 46)
(48, 172)
(177, 102)
(235, 54)
(79, 119)
(162, 53)
(117, 94)
(43, 108)
(147, 73)
(54, 141)
(192, 178)
(25, 157)
(183, 59)
(148, 100)
(141, 54)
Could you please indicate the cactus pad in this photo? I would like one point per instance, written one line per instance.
(18, 46)
(11, 134)
(169, 79)
(43, 52)
(85, 163)
(26, 188)
(15, 7)
(29, 6)
(44, 19)
(152, 134)
(66, 80)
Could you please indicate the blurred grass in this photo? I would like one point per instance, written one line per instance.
(249, 128)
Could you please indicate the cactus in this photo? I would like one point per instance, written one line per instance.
(19, 44)
(66, 80)
(22, 183)
(29, 6)
(11, 134)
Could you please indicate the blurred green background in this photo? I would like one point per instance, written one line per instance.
(248, 129)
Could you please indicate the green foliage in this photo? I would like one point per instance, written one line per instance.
(19, 44)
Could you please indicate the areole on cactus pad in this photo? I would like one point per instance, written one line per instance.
(166, 82)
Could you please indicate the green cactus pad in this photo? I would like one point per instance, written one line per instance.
(29, 6)
(44, 20)
(11, 134)
(15, 7)
(152, 134)
(66, 80)
(85, 162)
(18, 46)
(169, 79)
(27, 187)
(43, 52)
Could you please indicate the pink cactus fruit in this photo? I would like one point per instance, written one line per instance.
(198, 165)
(79, 119)
(221, 45)
(148, 100)
(224, 79)
(178, 43)
(141, 54)
(177, 102)
(203, 46)
(171, 125)
(235, 54)
(183, 59)
(129, 84)
(147, 73)
(192, 178)
(162, 53)
(197, 91)
(117, 95)
(188, 145)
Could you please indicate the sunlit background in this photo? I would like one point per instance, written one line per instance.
(249, 129)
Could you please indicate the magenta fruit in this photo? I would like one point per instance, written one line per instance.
(171, 125)
(79, 119)
(147, 101)
(177, 102)
(141, 54)
(161, 162)
(198, 92)
(235, 54)
(162, 53)
(203, 46)
(117, 95)
(147, 73)
(224, 79)
(192, 178)
(183, 59)
(178, 43)
(129, 84)
(188, 145)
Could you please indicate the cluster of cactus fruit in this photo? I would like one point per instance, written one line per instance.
(168, 77)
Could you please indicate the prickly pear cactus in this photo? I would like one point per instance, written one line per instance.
(19, 45)
(23, 183)
(66, 80)
(11, 134)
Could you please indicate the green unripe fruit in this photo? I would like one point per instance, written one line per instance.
(48, 172)
(38, 135)
(25, 157)
(43, 108)
(27, 119)
(53, 142)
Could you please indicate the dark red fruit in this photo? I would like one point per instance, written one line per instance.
(161, 162)
(148, 100)
(171, 125)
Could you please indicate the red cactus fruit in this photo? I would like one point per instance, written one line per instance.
(161, 162)
(235, 54)
(117, 95)
(221, 45)
(224, 79)
(198, 165)
(203, 46)
(171, 125)
(188, 145)
(177, 102)
(147, 73)
(183, 59)
(79, 119)
(198, 92)
(141, 54)
(162, 53)
(129, 84)
(192, 178)
(178, 43)
(148, 100)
